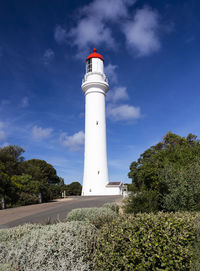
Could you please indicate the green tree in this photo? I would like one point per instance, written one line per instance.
(10, 159)
(7, 189)
(46, 175)
(13, 151)
(22, 181)
(74, 189)
(40, 170)
(26, 189)
(61, 181)
(5, 183)
(183, 187)
(149, 172)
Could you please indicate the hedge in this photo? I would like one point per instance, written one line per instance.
(17, 232)
(95, 216)
(113, 206)
(146, 201)
(6, 267)
(62, 246)
(162, 241)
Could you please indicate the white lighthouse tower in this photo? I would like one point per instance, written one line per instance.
(95, 87)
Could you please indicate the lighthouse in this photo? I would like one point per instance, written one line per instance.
(95, 86)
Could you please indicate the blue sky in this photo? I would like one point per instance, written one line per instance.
(151, 51)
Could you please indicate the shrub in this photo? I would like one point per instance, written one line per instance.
(27, 198)
(17, 232)
(95, 216)
(113, 206)
(183, 187)
(196, 254)
(145, 201)
(147, 242)
(59, 247)
(6, 267)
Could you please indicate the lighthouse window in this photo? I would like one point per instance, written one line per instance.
(98, 172)
(89, 65)
(97, 122)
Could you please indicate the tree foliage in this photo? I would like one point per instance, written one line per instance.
(74, 189)
(40, 170)
(22, 181)
(171, 171)
(183, 188)
(10, 158)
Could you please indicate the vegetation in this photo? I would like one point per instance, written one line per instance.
(113, 206)
(195, 266)
(95, 216)
(21, 182)
(6, 267)
(73, 189)
(147, 242)
(162, 241)
(167, 176)
(62, 246)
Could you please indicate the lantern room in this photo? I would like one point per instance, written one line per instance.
(95, 63)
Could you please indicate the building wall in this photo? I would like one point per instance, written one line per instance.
(114, 190)
(95, 165)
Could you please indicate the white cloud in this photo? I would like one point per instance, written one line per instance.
(73, 142)
(95, 23)
(123, 112)
(110, 10)
(118, 94)
(25, 102)
(142, 33)
(110, 71)
(48, 56)
(60, 34)
(91, 31)
(39, 133)
(92, 26)
(3, 135)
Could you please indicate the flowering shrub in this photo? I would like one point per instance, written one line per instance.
(62, 246)
(162, 241)
(95, 216)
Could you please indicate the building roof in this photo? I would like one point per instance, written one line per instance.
(114, 184)
(95, 55)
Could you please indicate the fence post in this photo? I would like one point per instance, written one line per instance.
(3, 204)
(40, 197)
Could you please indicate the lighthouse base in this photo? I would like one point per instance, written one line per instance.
(111, 189)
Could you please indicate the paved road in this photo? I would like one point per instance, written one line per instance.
(39, 213)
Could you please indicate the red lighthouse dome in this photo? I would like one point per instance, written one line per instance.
(95, 55)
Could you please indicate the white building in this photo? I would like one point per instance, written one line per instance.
(95, 86)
